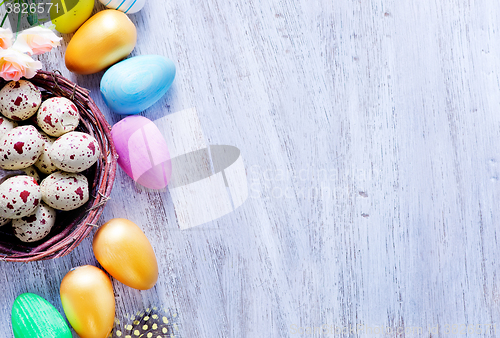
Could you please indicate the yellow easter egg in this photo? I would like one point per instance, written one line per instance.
(103, 40)
(88, 301)
(67, 20)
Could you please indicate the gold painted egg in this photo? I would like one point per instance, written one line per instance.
(88, 301)
(103, 40)
(125, 253)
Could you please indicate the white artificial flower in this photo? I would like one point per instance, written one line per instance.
(36, 40)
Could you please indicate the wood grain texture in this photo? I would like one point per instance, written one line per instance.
(370, 133)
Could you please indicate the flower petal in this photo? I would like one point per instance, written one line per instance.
(14, 65)
(36, 40)
(6, 38)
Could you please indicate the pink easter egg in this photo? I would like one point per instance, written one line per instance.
(143, 152)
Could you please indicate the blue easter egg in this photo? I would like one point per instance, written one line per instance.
(135, 84)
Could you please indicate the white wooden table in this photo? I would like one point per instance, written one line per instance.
(370, 131)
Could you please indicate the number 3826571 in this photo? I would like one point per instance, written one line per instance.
(32, 8)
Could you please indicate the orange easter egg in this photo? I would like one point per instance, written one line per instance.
(88, 301)
(125, 253)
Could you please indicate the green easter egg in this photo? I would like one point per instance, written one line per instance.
(34, 317)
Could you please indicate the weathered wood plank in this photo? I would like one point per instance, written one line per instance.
(369, 130)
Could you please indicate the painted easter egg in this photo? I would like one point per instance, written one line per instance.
(19, 100)
(103, 40)
(143, 151)
(35, 227)
(32, 172)
(19, 197)
(126, 6)
(68, 16)
(125, 253)
(75, 152)
(20, 148)
(4, 221)
(6, 125)
(88, 301)
(135, 84)
(64, 191)
(57, 116)
(44, 163)
(33, 316)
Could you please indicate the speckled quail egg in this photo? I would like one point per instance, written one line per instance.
(35, 227)
(44, 163)
(19, 197)
(4, 221)
(74, 152)
(20, 148)
(57, 116)
(65, 191)
(31, 171)
(19, 100)
(6, 125)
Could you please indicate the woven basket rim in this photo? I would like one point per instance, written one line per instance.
(75, 232)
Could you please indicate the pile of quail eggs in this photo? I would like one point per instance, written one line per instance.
(38, 139)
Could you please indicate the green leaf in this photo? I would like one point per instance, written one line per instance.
(4, 18)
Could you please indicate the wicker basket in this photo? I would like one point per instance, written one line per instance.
(72, 226)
